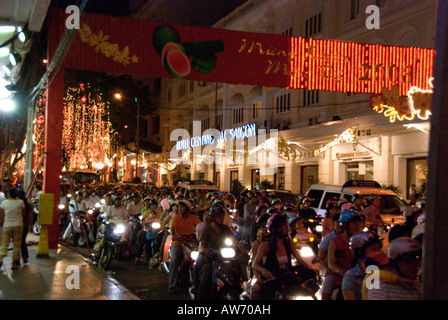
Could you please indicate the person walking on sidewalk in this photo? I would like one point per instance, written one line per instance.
(12, 211)
(27, 222)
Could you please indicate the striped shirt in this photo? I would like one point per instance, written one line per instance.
(394, 291)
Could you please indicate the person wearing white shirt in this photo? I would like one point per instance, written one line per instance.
(117, 210)
(136, 205)
(12, 211)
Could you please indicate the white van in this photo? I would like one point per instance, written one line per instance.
(195, 185)
(319, 194)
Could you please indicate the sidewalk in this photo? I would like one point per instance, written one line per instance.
(47, 278)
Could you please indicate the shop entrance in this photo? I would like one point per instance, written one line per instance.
(359, 170)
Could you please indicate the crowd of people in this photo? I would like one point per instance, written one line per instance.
(351, 261)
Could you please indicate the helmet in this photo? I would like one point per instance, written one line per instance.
(421, 219)
(275, 201)
(259, 208)
(409, 211)
(404, 248)
(185, 203)
(349, 215)
(361, 240)
(306, 199)
(135, 194)
(272, 210)
(116, 197)
(356, 196)
(263, 219)
(275, 221)
(331, 205)
(178, 195)
(152, 201)
(293, 219)
(289, 207)
(417, 232)
(215, 210)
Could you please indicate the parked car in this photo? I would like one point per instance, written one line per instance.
(319, 194)
(195, 185)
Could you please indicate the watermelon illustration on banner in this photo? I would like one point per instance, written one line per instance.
(175, 55)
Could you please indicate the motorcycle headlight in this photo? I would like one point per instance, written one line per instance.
(310, 220)
(302, 298)
(61, 206)
(194, 255)
(319, 228)
(97, 205)
(228, 242)
(227, 253)
(90, 211)
(156, 225)
(119, 229)
(306, 252)
(103, 201)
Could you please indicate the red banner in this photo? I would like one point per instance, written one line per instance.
(132, 46)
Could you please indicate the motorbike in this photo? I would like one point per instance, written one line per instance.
(308, 249)
(151, 248)
(136, 241)
(111, 242)
(227, 275)
(36, 227)
(291, 283)
(314, 225)
(79, 223)
(190, 247)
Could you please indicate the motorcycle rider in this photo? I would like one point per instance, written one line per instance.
(262, 236)
(361, 244)
(136, 205)
(250, 217)
(211, 237)
(373, 214)
(307, 212)
(183, 223)
(117, 210)
(405, 256)
(358, 205)
(339, 254)
(276, 252)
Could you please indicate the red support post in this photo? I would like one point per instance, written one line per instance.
(53, 133)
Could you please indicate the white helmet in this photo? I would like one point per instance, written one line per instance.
(398, 248)
(409, 211)
(418, 231)
(421, 219)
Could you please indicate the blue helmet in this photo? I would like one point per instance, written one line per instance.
(349, 215)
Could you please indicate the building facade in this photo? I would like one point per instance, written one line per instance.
(392, 153)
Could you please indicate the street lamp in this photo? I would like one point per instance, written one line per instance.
(7, 105)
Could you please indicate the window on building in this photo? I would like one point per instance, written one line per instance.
(283, 103)
(205, 124)
(156, 125)
(417, 171)
(287, 32)
(310, 97)
(313, 25)
(256, 109)
(279, 178)
(218, 121)
(238, 115)
(354, 9)
(182, 90)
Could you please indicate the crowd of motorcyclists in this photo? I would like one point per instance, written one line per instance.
(285, 250)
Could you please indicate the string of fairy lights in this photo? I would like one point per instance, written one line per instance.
(88, 139)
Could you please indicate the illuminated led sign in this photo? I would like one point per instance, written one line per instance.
(242, 132)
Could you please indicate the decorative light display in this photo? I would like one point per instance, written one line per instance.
(417, 102)
(87, 136)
